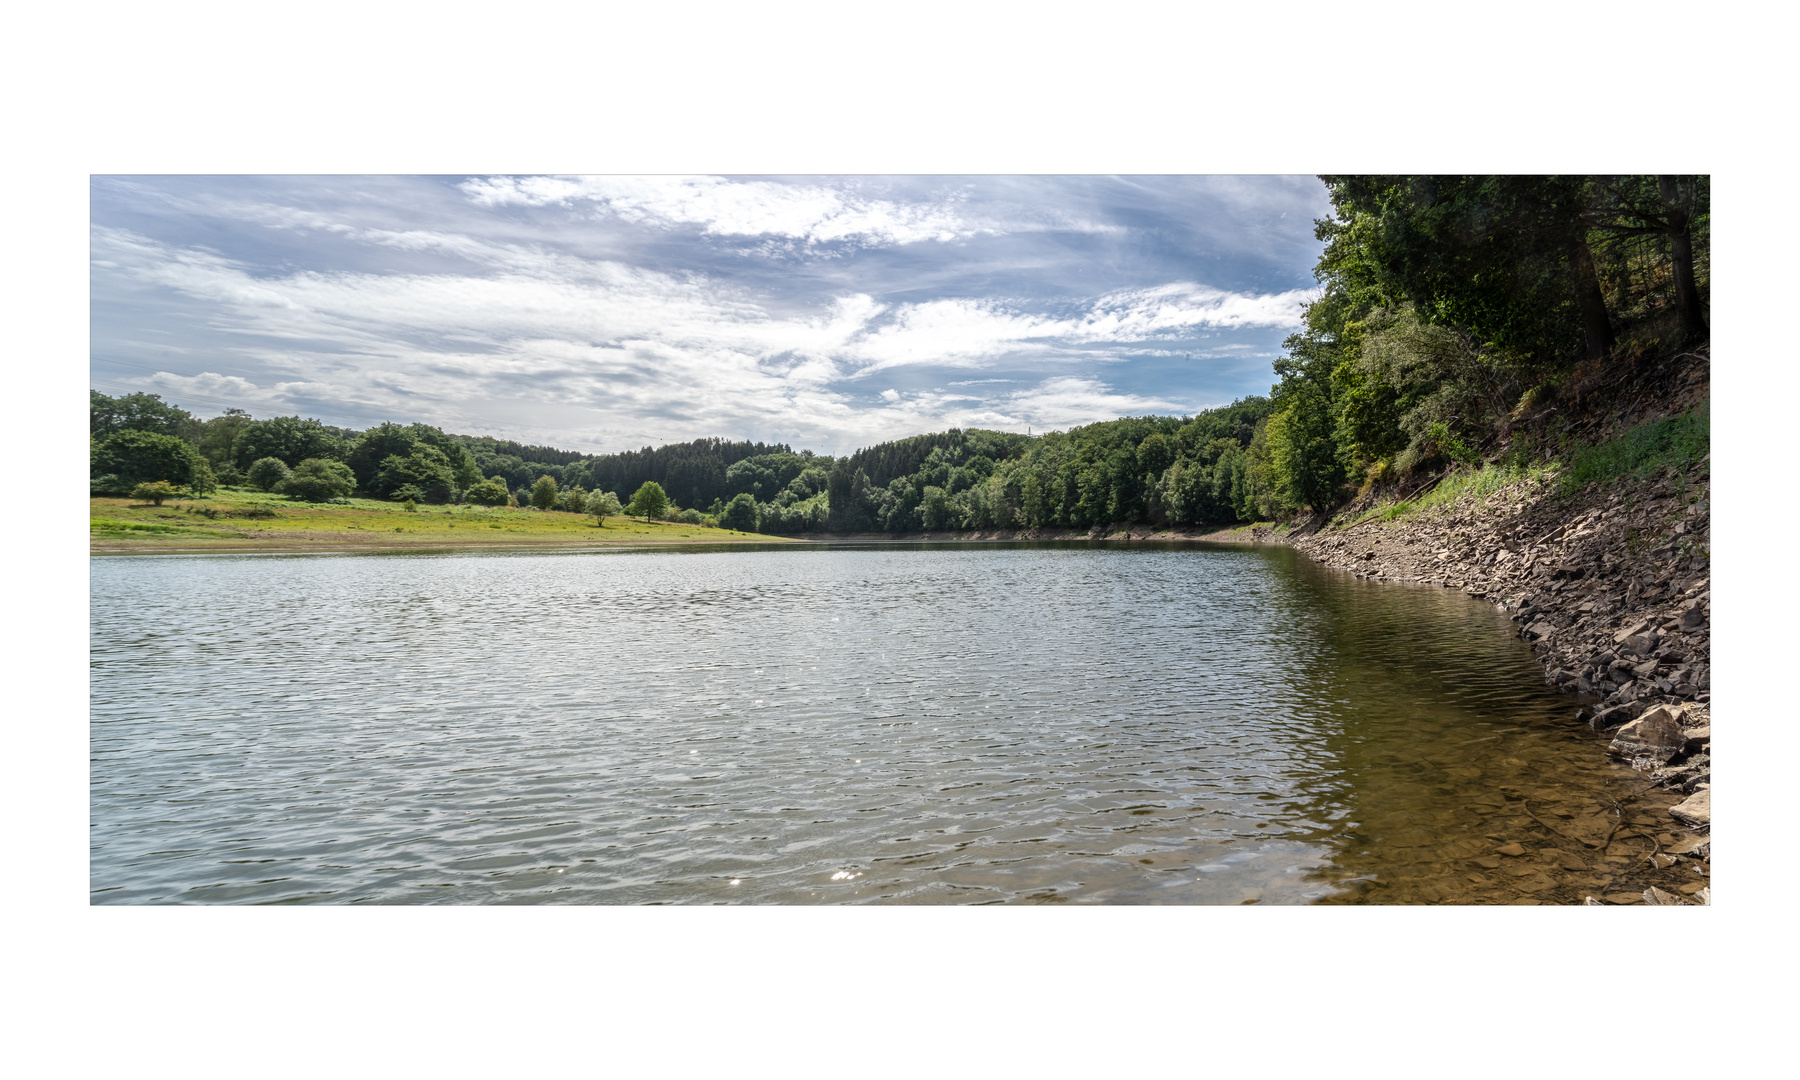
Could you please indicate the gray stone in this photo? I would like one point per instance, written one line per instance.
(1694, 619)
(1697, 810)
(1653, 737)
(1631, 630)
(1640, 644)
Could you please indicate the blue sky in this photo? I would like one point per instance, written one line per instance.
(608, 313)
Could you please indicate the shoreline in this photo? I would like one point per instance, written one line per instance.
(1611, 585)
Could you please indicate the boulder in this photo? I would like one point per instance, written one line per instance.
(1694, 619)
(1640, 644)
(1631, 630)
(1696, 811)
(1653, 737)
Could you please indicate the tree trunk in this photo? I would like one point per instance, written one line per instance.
(1681, 244)
(1596, 327)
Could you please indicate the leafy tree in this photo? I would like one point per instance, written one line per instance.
(573, 500)
(218, 437)
(424, 467)
(543, 493)
(268, 473)
(603, 504)
(740, 513)
(318, 480)
(129, 457)
(490, 492)
(649, 501)
(289, 438)
(155, 492)
(137, 412)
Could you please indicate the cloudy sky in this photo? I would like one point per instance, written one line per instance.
(609, 313)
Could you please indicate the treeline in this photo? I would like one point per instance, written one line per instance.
(1160, 469)
(138, 439)
(1466, 318)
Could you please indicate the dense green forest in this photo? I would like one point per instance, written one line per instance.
(1457, 317)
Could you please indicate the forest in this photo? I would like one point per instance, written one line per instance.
(1458, 321)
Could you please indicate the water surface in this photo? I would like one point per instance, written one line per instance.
(879, 724)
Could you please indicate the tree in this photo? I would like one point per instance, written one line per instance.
(574, 500)
(740, 513)
(543, 493)
(289, 438)
(137, 412)
(424, 467)
(490, 492)
(650, 501)
(316, 480)
(268, 473)
(129, 457)
(603, 504)
(218, 438)
(155, 492)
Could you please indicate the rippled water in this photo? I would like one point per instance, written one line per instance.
(947, 724)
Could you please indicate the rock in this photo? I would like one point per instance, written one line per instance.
(1697, 737)
(1539, 630)
(1624, 898)
(1654, 736)
(1487, 862)
(1697, 846)
(1640, 644)
(1654, 895)
(1696, 810)
(1694, 619)
(1513, 849)
(1631, 630)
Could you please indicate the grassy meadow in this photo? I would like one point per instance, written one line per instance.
(244, 520)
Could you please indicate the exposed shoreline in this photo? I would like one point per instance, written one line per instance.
(1611, 586)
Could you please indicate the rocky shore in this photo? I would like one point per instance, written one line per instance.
(1612, 588)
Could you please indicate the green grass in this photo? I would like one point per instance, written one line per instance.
(253, 519)
(1677, 442)
(1474, 484)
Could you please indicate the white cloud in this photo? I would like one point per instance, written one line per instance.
(603, 355)
(810, 213)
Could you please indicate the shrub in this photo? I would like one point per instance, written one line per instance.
(268, 473)
(155, 492)
(319, 480)
(489, 492)
(543, 493)
(690, 517)
(740, 513)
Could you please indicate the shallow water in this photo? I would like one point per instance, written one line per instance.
(835, 724)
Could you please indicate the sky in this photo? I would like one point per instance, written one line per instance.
(605, 313)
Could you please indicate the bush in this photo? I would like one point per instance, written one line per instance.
(407, 493)
(155, 492)
(268, 473)
(690, 517)
(740, 513)
(130, 457)
(489, 492)
(319, 480)
(543, 493)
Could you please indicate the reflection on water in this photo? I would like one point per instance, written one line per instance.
(951, 724)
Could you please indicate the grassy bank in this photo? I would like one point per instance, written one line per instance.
(235, 520)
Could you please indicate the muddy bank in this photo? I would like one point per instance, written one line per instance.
(1611, 586)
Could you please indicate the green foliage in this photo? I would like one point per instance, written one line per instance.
(137, 412)
(690, 517)
(424, 468)
(574, 500)
(267, 473)
(319, 480)
(1677, 442)
(604, 504)
(155, 492)
(740, 513)
(649, 501)
(543, 493)
(129, 457)
(489, 492)
(288, 438)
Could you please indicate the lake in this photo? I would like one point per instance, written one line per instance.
(905, 724)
